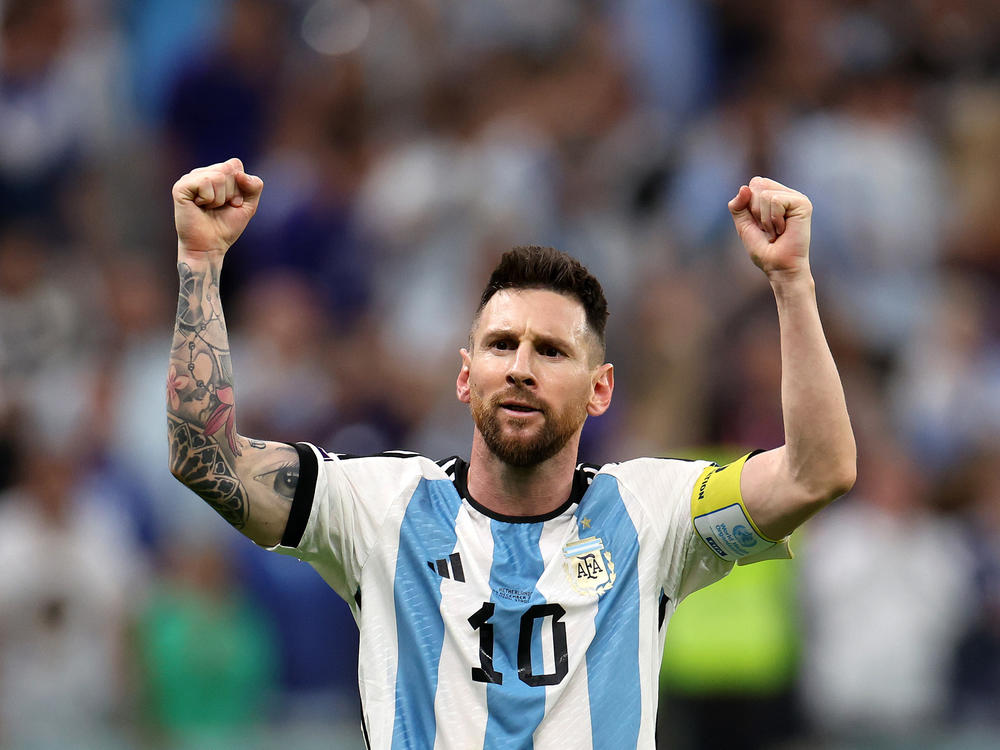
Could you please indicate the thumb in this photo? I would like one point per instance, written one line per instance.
(739, 207)
(749, 231)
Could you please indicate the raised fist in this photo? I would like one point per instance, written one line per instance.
(773, 221)
(213, 205)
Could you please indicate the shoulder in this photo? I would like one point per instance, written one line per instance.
(654, 488)
(353, 493)
(382, 470)
(656, 473)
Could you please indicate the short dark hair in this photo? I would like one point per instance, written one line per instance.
(536, 267)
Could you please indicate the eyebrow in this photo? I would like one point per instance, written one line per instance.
(557, 342)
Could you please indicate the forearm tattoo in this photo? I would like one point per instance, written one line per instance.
(204, 467)
(204, 445)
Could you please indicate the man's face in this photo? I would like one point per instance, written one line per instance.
(532, 376)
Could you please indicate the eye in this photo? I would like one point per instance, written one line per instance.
(550, 351)
(502, 345)
(282, 480)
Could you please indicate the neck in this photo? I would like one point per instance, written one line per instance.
(521, 491)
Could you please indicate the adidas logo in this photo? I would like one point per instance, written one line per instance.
(449, 567)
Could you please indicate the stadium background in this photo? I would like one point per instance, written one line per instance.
(403, 145)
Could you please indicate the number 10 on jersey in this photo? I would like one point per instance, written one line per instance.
(525, 672)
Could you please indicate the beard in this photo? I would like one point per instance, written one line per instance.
(526, 447)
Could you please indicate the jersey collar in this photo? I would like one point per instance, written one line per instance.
(458, 471)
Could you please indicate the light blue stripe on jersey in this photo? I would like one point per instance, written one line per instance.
(515, 708)
(426, 533)
(583, 547)
(613, 655)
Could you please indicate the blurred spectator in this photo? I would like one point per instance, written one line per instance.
(279, 362)
(50, 332)
(9, 441)
(670, 376)
(973, 112)
(312, 163)
(315, 651)
(671, 52)
(41, 321)
(866, 163)
(886, 598)
(163, 36)
(732, 142)
(207, 656)
(375, 404)
(946, 393)
(974, 487)
(746, 374)
(58, 63)
(69, 582)
(220, 104)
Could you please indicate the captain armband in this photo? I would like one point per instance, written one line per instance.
(722, 521)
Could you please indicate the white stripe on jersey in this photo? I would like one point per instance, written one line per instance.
(460, 703)
(649, 642)
(377, 662)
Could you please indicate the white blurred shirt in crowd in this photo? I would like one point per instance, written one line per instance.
(886, 598)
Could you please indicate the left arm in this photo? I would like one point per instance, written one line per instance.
(783, 487)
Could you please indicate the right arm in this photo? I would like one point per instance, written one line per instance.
(250, 483)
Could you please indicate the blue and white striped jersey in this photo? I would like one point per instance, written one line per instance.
(485, 631)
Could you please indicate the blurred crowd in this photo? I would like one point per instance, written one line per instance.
(403, 145)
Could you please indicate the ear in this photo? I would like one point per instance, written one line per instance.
(604, 386)
(462, 383)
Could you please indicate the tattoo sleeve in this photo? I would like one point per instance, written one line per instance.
(250, 483)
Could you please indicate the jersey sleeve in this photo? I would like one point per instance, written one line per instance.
(338, 509)
(663, 488)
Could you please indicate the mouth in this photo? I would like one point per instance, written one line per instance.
(519, 407)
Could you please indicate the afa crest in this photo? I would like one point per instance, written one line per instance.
(588, 566)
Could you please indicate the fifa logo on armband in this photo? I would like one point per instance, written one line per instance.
(715, 546)
(588, 566)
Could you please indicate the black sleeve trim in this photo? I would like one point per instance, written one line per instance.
(364, 728)
(664, 600)
(298, 516)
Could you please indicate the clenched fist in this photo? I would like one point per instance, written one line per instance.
(773, 221)
(213, 205)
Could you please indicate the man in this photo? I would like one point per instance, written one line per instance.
(517, 600)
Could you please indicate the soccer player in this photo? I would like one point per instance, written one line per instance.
(519, 599)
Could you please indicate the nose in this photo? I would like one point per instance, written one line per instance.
(520, 372)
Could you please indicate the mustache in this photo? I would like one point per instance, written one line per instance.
(521, 395)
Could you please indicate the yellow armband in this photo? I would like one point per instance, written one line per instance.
(722, 521)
